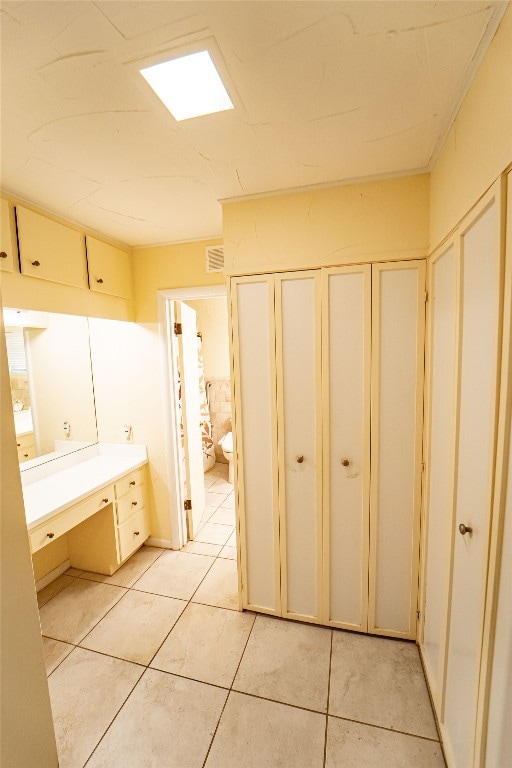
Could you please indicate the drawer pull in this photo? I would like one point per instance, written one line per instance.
(3, 255)
(50, 535)
(99, 280)
(25, 455)
(19, 445)
(104, 501)
(132, 482)
(134, 503)
(300, 459)
(36, 263)
(136, 533)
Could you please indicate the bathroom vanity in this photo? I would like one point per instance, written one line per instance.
(96, 497)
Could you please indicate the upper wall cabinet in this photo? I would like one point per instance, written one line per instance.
(7, 237)
(50, 250)
(109, 269)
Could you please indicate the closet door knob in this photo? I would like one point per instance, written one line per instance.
(3, 255)
(36, 263)
(463, 529)
(345, 462)
(300, 459)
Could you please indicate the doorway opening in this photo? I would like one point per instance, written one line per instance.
(194, 325)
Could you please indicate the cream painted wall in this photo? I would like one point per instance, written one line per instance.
(478, 147)
(126, 362)
(182, 265)
(212, 322)
(60, 379)
(378, 220)
(27, 737)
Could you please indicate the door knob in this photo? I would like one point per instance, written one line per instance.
(463, 529)
(300, 459)
(345, 462)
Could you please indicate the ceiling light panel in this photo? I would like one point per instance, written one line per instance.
(189, 86)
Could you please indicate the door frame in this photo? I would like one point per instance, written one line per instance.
(168, 346)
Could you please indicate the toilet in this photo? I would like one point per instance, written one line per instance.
(226, 443)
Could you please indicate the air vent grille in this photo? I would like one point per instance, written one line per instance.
(215, 258)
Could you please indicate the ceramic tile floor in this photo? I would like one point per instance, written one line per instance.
(156, 667)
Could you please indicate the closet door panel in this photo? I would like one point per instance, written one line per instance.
(256, 440)
(441, 457)
(346, 344)
(299, 430)
(398, 318)
(480, 335)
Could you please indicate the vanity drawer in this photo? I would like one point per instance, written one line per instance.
(132, 533)
(25, 441)
(130, 504)
(24, 454)
(125, 484)
(63, 523)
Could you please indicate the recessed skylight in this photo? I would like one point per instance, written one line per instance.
(189, 86)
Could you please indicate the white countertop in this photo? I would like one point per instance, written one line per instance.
(51, 494)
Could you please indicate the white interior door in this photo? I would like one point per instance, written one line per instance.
(191, 415)
(252, 301)
(442, 381)
(481, 268)
(398, 321)
(298, 351)
(346, 360)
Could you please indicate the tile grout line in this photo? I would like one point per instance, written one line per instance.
(230, 690)
(328, 699)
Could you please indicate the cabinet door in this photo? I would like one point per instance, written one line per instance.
(298, 350)
(481, 274)
(253, 336)
(8, 252)
(50, 250)
(109, 269)
(440, 461)
(346, 351)
(398, 320)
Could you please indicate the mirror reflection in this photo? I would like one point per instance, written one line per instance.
(51, 382)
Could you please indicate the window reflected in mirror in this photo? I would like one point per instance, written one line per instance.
(52, 387)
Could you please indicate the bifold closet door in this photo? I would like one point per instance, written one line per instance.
(481, 268)
(253, 335)
(440, 459)
(398, 323)
(346, 361)
(298, 352)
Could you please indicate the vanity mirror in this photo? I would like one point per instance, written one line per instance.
(51, 382)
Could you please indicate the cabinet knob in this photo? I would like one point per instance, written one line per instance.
(99, 280)
(136, 533)
(134, 503)
(300, 459)
(25, 455)
(50, 535)
(345, 462)
(3, 255)
(19, 445)
(104, 501)
(36, 263)
(132, 482)
(463, 529)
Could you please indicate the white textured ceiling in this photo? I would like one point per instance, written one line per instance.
(323, 92)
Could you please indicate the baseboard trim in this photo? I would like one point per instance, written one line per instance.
(58, 571)
(162, 543)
